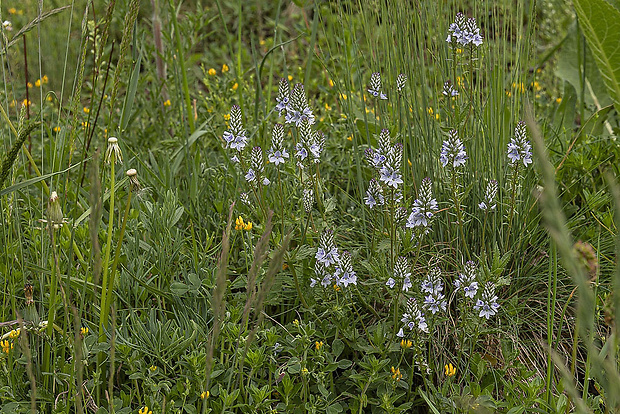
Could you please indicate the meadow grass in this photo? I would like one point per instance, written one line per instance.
(161, 253)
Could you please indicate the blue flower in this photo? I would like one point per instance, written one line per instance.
(250, 176)
(277, 156)
(453, 151)
(282, 104)
(390, 283)
(391, 177)
(369, 200)
(301, 153)
(407, 284)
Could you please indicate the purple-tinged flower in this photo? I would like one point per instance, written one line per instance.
(424, 207)
(374, 88)
(391, 177)
(400, 333)
(301, 153)
(374, 195)
(250, 176)
(282, 104)
(519, 148)
(278, 156)
(453, 151)
(266, 181)
(390, 283)
(313, 282)
(449, 89)
(407, 284)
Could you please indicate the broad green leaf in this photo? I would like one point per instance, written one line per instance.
(600, 23)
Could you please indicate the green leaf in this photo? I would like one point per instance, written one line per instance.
(131, 94)
(600, 23)
(337, 347)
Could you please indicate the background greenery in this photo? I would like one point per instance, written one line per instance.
(203, 317)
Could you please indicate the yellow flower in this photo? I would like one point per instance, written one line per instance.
(145, 410)
(290, 78)
(45, 79)
(296, 322)
(14, 333)
(329, 108)
(508, 94)
(396, 375)
(235, 86)
(205, 395)
(450, 370)
(29, 85)
(86, 110)
(459, 81)
(225, 68)
(518, 86)
(212, 72)
(248, 226)
(6, 346)
(409, 162)
(331, 83)
(459, 51)
(318, 345)
(49, 98)
(12, 10)
(558, 100)
(406, 343)
(337, 288)
(536, 85)
(261, 42)
(37, 83)
(84, 124)
(153, 368)
(227, 117)
(304, 371)
(350, 138)
(26, 102)
(57, 129)
(429, 110)
(167, 102)
(239, 224)
(83, 331)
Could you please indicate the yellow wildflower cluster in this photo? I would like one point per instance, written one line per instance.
(396, 375)
(235, 86)
(241, 225)
(212, 72)
(13, 10)
(14, 333)
(450, 370)
(145, 410)
(519, 86)
(406, 343)
(6, 346)
(83, 331)
(43, 80)
(205, 394)
(225, 68)
(318, 345)
(167, 102)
